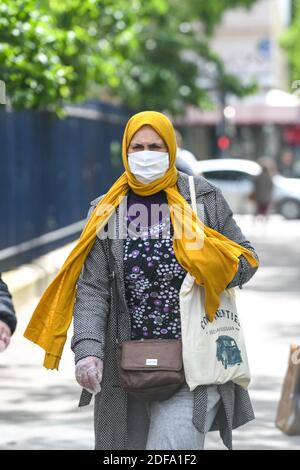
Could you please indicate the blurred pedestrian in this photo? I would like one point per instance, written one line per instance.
(185, 160)
(8, 320)
(127, 288)
(263, 189)
(287, 164)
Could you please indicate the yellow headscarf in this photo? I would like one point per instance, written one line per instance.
(213, 264)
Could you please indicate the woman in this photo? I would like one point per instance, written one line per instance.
(149, 270)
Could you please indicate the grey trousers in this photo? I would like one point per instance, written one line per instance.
(171, 421)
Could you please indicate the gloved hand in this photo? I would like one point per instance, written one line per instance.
(88, 373)
(5, 335)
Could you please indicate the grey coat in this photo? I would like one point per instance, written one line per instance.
(7, 311)
(121, 421)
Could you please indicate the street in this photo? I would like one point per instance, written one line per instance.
(39, 407)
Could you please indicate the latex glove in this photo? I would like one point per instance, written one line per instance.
(5, 335)
(88, 373)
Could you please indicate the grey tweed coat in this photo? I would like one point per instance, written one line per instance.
(121, 422)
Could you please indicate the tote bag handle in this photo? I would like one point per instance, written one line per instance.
(193, 193)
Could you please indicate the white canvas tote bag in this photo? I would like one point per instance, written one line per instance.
(213, 352)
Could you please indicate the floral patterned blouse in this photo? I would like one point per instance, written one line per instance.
(152, 275)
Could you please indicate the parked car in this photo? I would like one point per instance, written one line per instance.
(228, 352)
(235, 177)
(186, 161)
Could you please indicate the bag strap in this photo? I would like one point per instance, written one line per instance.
(115, 291)
(86, 397)
(193, 193)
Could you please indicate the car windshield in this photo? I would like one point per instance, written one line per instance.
(227, 175)
(228, 343)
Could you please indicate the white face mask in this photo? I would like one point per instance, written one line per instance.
(148, 165)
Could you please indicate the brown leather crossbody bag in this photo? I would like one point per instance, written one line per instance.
(150, 369)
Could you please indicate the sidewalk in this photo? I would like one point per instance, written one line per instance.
(39, 408)
(270, 310)
(30, 280)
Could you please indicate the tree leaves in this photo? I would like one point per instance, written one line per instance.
(146, 55)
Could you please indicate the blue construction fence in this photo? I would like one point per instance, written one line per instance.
(50, 170)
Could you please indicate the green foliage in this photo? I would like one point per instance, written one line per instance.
(208, 12)
(142, 54)
(290, 40)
